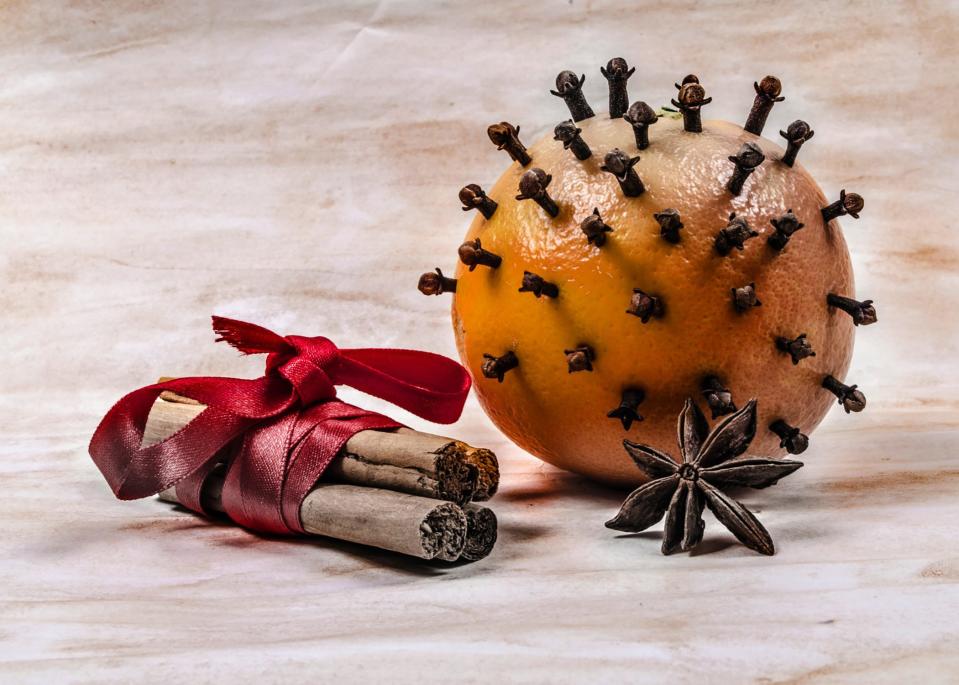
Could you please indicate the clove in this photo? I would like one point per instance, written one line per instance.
(645, 306)
(533, 185)
(862, 313)
(849, 396)
(718, 397)
(536, 285)
(692, 98)
(617, 73)
(595, 229)
(669, 224)
(570, 89)
(749, 157)
(579, 359)
(767, 94)
(473, 197)
(733, 235)
(620, 165)
(792, 439)
(785, 226)
(795, 134)
(641, 116)
(505, 136)
(688, 78)
(496, 367)
(850, 204)
(472, 255)
(568, 133)
(627, 411)
(744, 298)
(436, 283)
(798, 348)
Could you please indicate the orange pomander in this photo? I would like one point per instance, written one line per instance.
(597, 291)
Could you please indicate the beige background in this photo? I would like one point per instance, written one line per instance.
(297, 165)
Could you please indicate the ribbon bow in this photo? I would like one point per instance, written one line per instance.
(283, 429)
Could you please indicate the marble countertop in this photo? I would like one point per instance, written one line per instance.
(296, 164)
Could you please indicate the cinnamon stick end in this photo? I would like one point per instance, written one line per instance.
(457, 479)
(487, 482)
(480, 532)
(444, 532)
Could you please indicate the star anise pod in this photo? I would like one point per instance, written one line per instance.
(682, 490)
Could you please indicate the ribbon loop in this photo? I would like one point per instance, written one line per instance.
(277, 433)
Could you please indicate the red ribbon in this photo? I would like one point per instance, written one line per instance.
(288, 424)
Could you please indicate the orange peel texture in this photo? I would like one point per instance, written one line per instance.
(561, 417)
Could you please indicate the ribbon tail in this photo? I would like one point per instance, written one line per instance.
(248, 338)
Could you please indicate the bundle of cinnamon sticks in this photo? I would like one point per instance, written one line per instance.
(399, 490)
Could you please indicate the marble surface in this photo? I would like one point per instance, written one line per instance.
(297, 164)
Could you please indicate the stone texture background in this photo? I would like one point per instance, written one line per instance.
(296, 164)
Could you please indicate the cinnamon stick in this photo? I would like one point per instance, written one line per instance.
(407, 461)
(416, 526)
(403, 459)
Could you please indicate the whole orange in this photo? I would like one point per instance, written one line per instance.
(561, 416)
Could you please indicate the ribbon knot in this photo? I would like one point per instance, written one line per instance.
(277, 433)
(311, 369)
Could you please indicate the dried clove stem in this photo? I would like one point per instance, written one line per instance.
(617, 73)
(472, 255)
(595, 229)
(785, 226)
(628, 410)
(734, 235)
(505, 136)
(744, 298)
(790, 438)
(436, 283)
(862, 313)
(539, 287)
(533, 185)
(620, 165)
(568, 133)
(718, 397)
(692, 98)
(850, 204)
(496, 367)
(849, 396)
(795, 134)
(669, 224)
(749, 157)
(645, 306)
(798, 348)
(641, 116)
(474, 197)
(570, 88)
(767, 94)
(580, 358)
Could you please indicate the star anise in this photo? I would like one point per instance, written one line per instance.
(710, 462)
